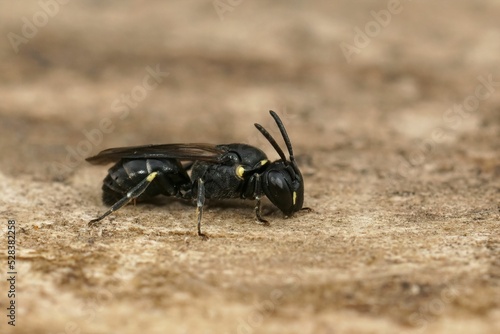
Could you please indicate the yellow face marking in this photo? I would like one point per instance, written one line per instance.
(294, 197)
(240, 171)
(151, 176)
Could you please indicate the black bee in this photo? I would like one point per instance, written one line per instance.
(217, 171)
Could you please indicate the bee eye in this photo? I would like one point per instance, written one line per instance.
(277, 187)
(276, 180)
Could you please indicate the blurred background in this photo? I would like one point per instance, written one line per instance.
(393, 108)
(342, 73)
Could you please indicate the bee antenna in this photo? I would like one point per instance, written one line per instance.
(284, 134)
(271, 140)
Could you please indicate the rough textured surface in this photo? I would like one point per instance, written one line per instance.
(404, 186)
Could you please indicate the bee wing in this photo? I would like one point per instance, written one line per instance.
(190, 152)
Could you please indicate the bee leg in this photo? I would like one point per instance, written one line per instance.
(200, 201)
(258, 214)
(132, 194)
(257, 194)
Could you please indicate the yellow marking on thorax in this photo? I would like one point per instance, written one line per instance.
(151, 176)
(240, 170)
(263, 162)
(294, 197)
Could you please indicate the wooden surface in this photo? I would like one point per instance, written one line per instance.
(399, 145)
